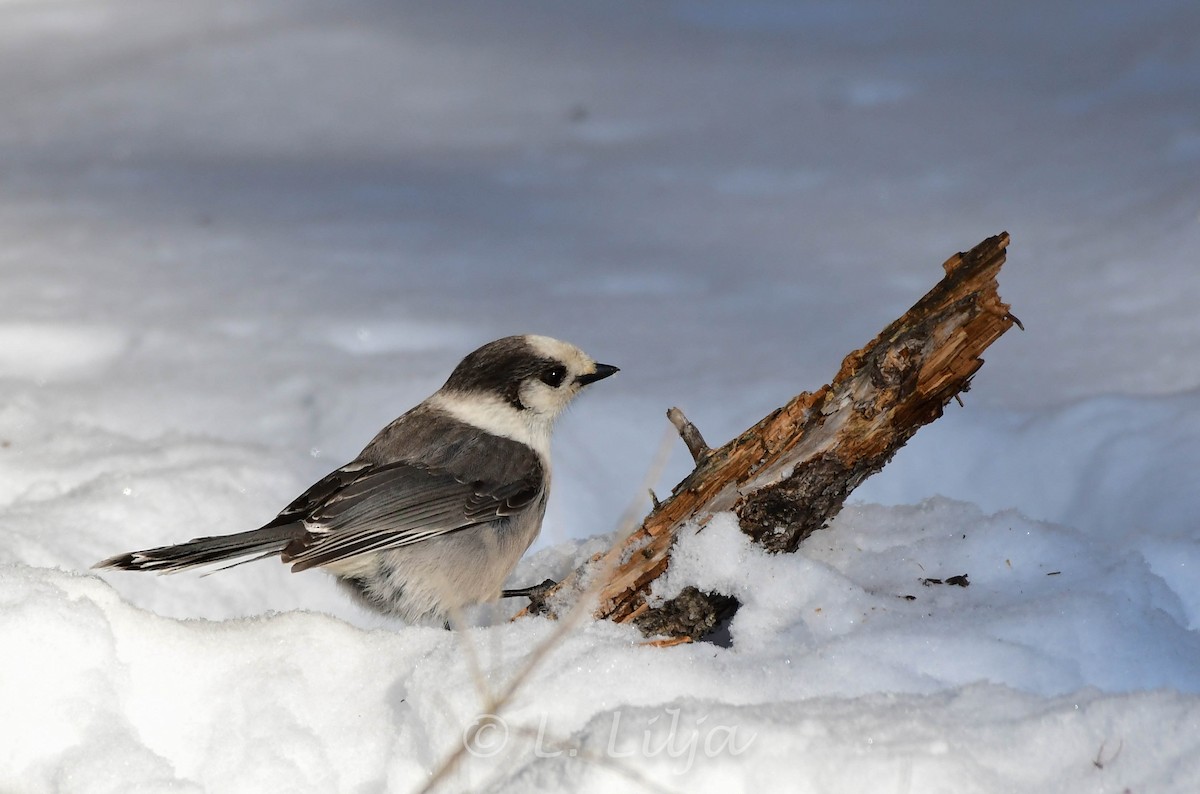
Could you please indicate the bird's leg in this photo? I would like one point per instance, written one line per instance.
(533, 592)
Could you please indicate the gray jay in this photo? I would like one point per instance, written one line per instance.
(434, 513)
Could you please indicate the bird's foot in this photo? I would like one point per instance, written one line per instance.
(536, 595)
(535, 591)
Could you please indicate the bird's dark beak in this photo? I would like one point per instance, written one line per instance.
(602, 372)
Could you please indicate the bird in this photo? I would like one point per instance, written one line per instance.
(434, 513)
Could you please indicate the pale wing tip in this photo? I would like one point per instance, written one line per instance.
(121, 562)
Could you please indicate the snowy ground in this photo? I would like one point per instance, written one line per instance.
(239, 236)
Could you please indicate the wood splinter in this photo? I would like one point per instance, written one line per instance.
(690, 435)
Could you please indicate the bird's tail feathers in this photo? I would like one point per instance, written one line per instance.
(198, 552)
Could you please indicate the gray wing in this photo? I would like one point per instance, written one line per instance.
(365, 508)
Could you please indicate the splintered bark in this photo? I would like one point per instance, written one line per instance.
(790, 474)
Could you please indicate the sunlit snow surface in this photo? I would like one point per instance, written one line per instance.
(237, 238)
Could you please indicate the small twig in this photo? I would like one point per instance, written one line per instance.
(690, 435)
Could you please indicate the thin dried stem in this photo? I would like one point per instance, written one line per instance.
(599, 759)
(494, 702)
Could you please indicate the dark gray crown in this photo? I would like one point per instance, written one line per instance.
(499, 368)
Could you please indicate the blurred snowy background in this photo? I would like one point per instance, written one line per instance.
(238, 237)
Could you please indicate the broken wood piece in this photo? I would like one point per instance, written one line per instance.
(690, 435)
(789, 474)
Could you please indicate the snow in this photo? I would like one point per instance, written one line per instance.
(237, 238)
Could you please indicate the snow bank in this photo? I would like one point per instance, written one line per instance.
(835, 681)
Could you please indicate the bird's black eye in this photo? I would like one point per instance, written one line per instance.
(553, 376)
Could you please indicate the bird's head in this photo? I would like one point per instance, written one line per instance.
(535, 375)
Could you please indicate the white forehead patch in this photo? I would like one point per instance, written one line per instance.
(576, 360)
